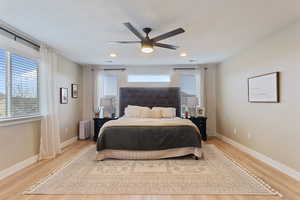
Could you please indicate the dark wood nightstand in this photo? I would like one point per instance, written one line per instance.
(98, 123)
(200, 122)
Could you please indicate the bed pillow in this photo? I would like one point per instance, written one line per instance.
(156, 112)
(168, 112)
(132, 111)
(145, 112)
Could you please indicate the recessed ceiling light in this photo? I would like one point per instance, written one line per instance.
(183, 54)
(113, 55)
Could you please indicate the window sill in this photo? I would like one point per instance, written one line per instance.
(20, 120)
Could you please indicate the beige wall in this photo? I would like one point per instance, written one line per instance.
(210, 88)
(20, 142)
(69, 114)
(269, 128)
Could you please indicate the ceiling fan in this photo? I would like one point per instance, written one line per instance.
(147, 42)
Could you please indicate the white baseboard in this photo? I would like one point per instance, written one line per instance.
(275, 164)
(17, 167)
(68, 142)
(25, 163)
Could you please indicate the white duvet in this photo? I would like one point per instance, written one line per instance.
(128, 121)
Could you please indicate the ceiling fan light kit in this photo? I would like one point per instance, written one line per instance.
(147, 44)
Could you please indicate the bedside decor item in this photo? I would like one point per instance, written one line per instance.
(264, 88)
(64, 95)
(74, 91)
(200, 112)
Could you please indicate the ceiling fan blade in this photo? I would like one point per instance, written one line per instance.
(168, 34)
(134, 31)
(126, 42)
(168, 46)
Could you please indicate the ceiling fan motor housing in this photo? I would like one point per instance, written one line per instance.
(147, 30)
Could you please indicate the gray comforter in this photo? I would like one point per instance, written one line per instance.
(148, 137)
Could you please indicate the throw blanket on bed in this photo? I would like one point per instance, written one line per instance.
(148, 134)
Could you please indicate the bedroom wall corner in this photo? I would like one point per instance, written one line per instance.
(210, 98)
(70, 114)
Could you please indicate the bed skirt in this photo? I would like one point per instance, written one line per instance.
(149, 154)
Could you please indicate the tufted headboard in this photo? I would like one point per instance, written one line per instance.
(150, 97)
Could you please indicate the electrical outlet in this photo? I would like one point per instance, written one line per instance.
(234, 131)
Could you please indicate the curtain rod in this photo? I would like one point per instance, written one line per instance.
(182, 68)
(20, 37)
(115, 69)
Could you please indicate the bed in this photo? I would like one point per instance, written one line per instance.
(148, 138)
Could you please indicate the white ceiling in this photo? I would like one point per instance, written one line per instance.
(215, 29)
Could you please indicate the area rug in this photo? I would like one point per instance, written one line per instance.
(214, 174)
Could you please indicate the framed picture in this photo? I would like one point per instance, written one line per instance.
(64, 95)
(74, 90)
(200, 112)
(264, 88)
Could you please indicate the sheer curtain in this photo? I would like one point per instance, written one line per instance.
(92, 90)
(200, 75)
(49, 93)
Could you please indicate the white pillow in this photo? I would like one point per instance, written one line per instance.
(145, 112)
(137, 111)
(156, 112)
(132, 111)
(168, 112)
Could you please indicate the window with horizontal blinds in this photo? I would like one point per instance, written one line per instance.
(19, 86)
(3, 100)
(24, 86)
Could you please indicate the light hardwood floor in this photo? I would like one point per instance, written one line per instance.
(12, 187)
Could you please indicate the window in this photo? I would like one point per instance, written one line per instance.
(145, 78)
(188, 87)
(110, 95)
(110, 85)
(2, 84)
(19, 91)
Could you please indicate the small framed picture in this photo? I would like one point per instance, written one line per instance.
(200, 112)
(64, 95)
(75, 91)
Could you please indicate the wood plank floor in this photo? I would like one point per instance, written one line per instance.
(12, 187)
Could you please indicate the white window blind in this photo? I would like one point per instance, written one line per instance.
(19, 86)
(147, 78)
(110, 85)
(3, 112)
(188, 84)
(188, 87)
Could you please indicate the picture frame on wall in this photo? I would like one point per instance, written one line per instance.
(64, 95)
(264, 88)
(74, 91)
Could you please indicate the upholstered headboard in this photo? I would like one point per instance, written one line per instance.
(150, 97)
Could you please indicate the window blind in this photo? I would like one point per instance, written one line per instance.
(3, 107)
(147, 78)
(24, 99)
(110, 84)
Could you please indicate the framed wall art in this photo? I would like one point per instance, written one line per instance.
(74, 90)
(64, 95)
(264, 88)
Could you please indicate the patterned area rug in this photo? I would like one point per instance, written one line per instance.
(215, 174)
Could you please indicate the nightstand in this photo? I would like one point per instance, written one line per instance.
(200, 122)
(98, 123)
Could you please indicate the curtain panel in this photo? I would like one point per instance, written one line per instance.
(49, 93)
